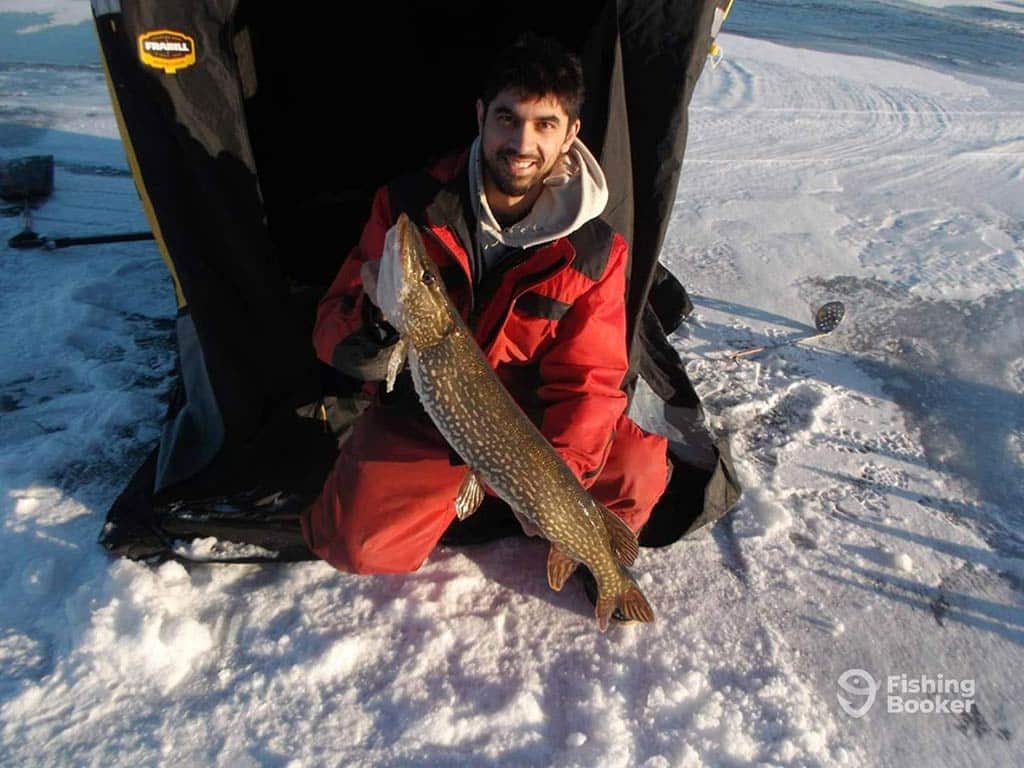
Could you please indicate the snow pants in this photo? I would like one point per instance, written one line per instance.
(391, 494)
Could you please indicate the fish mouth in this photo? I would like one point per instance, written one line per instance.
(400, 278)
(412, 254)
(394, 284)
(410, 290)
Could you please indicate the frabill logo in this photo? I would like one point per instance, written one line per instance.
(167, 50)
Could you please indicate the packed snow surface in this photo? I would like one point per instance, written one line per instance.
(880, 533)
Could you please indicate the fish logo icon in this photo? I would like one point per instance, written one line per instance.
(857, 682)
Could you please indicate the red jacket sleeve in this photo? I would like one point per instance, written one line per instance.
(340, 312)
(581, 374)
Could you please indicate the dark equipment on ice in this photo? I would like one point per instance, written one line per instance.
(27, 238)
(27, 179)
(826, 319)
(219, 101)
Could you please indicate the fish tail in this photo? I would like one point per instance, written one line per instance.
(626, 605)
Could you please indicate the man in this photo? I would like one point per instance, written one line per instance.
(513, 225)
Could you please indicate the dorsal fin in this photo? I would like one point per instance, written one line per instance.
(623, 540)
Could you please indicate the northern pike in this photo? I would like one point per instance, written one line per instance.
(502, 448)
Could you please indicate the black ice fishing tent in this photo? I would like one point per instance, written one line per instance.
(257, 134)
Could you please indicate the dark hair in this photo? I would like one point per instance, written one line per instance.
(537, 66)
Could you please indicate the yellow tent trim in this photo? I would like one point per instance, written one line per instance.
(140, 185)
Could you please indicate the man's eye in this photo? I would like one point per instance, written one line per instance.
(427, 278)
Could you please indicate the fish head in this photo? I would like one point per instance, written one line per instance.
(410, 290)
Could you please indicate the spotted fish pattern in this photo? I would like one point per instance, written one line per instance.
(501, 446)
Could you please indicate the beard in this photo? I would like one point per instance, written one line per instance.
(497, 170)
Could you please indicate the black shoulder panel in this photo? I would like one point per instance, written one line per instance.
(412, 193)
(428, 201)
(593, 244)
(534, 304)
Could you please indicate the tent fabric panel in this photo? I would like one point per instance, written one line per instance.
(605, 120)
(108, 26)
(664, 49)
(191, 437)
(196, 166)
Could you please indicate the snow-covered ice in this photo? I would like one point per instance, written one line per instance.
(881, 528)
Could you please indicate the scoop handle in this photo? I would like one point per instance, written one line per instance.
(739, 354)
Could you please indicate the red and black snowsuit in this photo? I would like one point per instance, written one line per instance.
(552, 323)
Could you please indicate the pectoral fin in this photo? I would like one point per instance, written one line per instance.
(470, 494)
(623, 540)
(395, 363)
(560, 568)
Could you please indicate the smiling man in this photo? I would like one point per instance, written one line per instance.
(513, 223)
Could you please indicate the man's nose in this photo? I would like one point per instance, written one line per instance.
(523, 139)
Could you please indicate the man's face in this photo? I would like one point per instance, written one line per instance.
(522, 139)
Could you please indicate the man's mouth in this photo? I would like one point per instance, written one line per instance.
(520, 165)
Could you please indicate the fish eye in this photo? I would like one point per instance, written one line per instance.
(427, 278)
